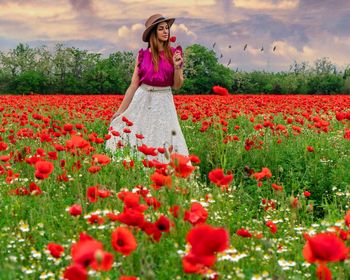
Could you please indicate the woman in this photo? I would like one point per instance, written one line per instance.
(147, 116)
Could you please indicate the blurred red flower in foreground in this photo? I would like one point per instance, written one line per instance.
(205, 242)
(172, 39)
(220, 90)
(323, 248)
(87, 252)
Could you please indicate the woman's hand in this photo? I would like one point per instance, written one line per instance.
(177, 59)
(115, 115)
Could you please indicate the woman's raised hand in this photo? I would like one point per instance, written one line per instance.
(178, 60)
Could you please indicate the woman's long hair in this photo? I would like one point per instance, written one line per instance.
(152, 43)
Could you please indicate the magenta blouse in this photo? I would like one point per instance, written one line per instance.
(165, 75)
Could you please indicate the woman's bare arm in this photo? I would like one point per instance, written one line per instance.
(129, 94)
(178, 72)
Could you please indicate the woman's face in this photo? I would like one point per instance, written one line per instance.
(162, 31)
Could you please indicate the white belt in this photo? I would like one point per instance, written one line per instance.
(154, 88)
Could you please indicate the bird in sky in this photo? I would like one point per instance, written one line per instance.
(214, 44)
(229, 62)
(229, 46)
(262, 48)
(245, 46)
(221, 56)
(274, 48)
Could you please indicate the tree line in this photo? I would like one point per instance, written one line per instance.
(69, 70)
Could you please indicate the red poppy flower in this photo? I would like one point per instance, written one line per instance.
(79, 142)
(115, 133)
(92, 193)
(34, 189)
(56, 250)
(207, 240)
(192, 263)
(43, 169)
(307, 194)
(272, 226)
(172, 39)
(277, 187)
(104, 193)
(174, 210)
(220, 90)
(123, 241)
(163, 224)
(103, 261)
(325, 247)
(68, 127)
(148, 151)
(83, 252)
(218, 177)
(347, 218)
(310, 149)
(101, 159)
(265, 172)
(194, 159)
(94, 169)
(95, 219)
(131, 217)
(75, 272)
(197, 214)
(152, 201)
(123, 277)
(181, 164)
(323, 272)
(75, 210)
(160, 180)
(243, 232)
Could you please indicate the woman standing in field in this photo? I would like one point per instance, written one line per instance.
(147, 114)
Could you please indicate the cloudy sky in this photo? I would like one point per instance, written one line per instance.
(301, 30)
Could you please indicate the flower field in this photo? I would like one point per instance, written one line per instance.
(264, 193)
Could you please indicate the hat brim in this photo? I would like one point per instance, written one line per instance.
(145, 34)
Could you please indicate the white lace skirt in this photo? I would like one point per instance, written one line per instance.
(153, 114)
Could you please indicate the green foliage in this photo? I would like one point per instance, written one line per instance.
(202, 71)
(26, 82)
(69, 70)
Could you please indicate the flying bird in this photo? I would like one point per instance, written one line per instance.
(221, 56)
(262, 48)
(229, 46)
(214, 44)
(229, 62)
(274, 48)
(245, 46)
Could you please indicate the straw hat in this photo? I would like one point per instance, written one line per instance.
(152, 22)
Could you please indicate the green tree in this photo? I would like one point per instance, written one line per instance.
(202, 71)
